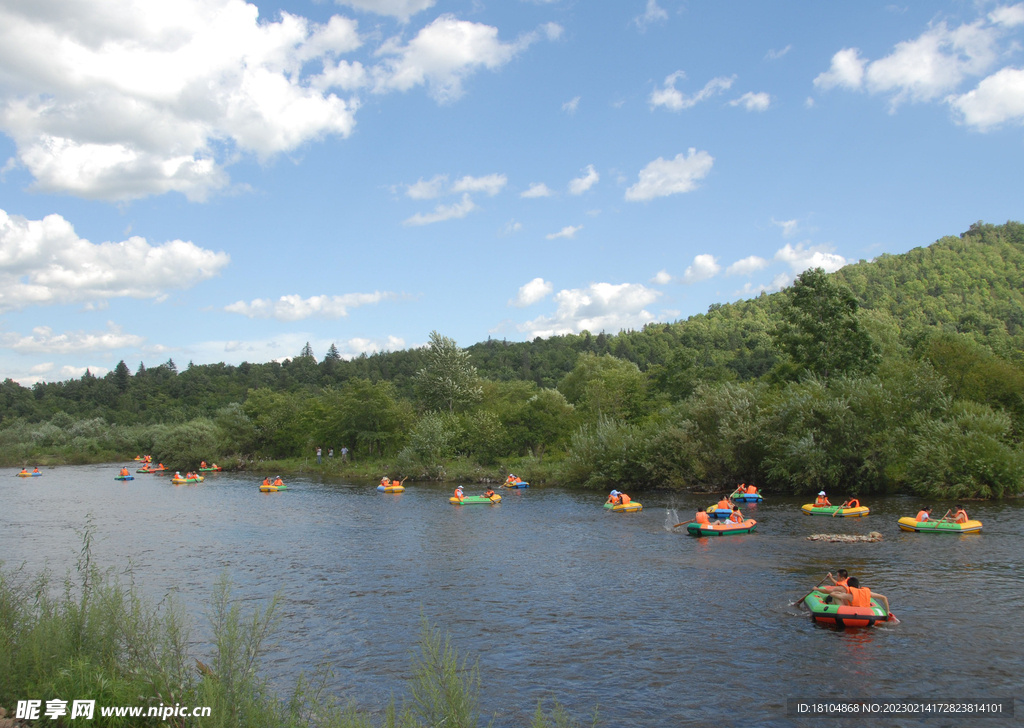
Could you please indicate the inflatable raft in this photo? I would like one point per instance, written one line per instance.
(722, 513)
(391, 488)
(747, 498)
(124, 477)
(29, 475)
(520, 484)
(186, 481)
(272, 488)
(844, 616)
(910, 524)
(721, 529)
(471, 499)
(211, 470)
(836, 511)
(624, 508)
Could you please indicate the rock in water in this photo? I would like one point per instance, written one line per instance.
(872, 537)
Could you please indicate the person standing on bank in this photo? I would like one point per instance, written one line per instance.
(318, 456)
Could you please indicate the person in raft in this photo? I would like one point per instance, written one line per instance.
(843, 577)
(924, 514)
(702, 517)
(459, 494)
(177, 475)
(489, 492)
(266, 481)
(736, 516)
(124, 471)
(725, 504)
(278, 482)
(35, 469)
(821, 500)
(751, 490)
(960, 515)
(852, 594)
(385, 482)
(24, 471)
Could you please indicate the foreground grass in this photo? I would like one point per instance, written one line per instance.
(93, 636)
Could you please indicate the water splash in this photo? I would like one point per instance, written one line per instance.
(671, 519)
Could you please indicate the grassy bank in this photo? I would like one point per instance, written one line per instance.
(94, 636)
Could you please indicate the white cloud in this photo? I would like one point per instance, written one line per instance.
(441, 213)
(599, 307)
(652, 13)
(571, 105)
(809, 102)
(492, 184)
(996, 100)
(773, 54)
(569, 231)
(401, 9)
(353, 347)
(704, 266)
(512, 227)
(668, 177)
(803, 257)
(297, 308)
(662, 277)
(427, 189)
(70, 372)
(120, 100)
(675, 100)
(581, 184)
(1010, 16)
(44, 262)
(789, 227)
(746, 266)
(43, 341)
(537, 189)
(530, 293)
(778, 283)
(847, 71)
(42, 368)
(445, 53)
(753, 102)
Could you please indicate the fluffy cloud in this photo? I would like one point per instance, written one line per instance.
(668, 177)
(675, 100)
(492, 184)
(846, 71)
(121, 99)
(662, 277)
(753, 102)
(599, 307)
(401, 9)
(445, 52)
(997, 99)
(530, 293)
(297, 308)
(746, 266)
(571, 105)
(581, 184)
(441, 213)
(537, 189)
(45, 262)
(652, 13)
(930, 66)
(774, 54)
(801, 257)
(778, 283)
(43, 341)
(427, 189)
(704, 266)
(569, 231)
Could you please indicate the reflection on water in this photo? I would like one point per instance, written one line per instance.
(556, 595)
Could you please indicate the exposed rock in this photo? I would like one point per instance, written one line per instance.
(872, 537)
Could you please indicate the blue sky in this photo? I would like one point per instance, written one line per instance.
(210, 180)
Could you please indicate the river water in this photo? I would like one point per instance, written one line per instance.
(558, 597)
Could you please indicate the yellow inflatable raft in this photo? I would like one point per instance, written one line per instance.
(625, 507)
(912, 524)
(391, 488)
(185, 481)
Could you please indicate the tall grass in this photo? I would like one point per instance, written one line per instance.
(94, 636)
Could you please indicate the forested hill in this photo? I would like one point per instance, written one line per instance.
(971, 285)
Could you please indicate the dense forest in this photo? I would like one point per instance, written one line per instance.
(901, 374)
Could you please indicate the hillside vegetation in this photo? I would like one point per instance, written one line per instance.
(902, 374)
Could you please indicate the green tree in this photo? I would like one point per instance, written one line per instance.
(820, 330)
(122, 377)
(364, 416)
(603, 386)
(449, 381)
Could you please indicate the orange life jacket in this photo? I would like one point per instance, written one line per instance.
(266, 481)
(624, 499)
(751, 489)
(202, 463)
(736, 517)
(278, 481)
(702, 517)
(458, 494)
(821, 501)
(724, 503)
(861, 596)
(921, 516)
(961, 517)
(842, 582)
(385, 482)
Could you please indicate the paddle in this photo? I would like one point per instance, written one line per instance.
(684, 523)
(801, 601)
(837, 510)
(948, 513)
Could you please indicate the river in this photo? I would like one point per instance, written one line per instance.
(556, 596)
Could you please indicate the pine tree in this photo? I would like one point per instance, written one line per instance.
(307, 352)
